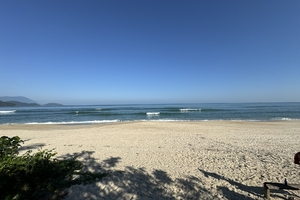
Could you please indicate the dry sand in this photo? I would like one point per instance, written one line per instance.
(175, 160)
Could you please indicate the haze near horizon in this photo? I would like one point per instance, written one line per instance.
(106, 52)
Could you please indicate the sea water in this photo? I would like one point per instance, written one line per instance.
(150, 112)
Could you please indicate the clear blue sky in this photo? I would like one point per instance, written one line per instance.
(100, 51)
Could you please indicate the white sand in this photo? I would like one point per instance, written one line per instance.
(175, 160)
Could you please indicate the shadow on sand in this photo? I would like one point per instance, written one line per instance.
(137, 183)
(229, 194)
(32, 146)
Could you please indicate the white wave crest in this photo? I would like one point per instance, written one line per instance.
(162, 120)
(77, 122)
(153, 113)
(5, 112)
(189, 109)
(283, 119)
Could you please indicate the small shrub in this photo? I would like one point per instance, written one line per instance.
(9, 146)
(38, 175)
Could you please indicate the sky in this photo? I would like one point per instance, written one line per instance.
(158, 51)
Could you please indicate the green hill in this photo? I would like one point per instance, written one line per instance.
(16, 98)
(6, 104)
(17, 104)
(19, 101)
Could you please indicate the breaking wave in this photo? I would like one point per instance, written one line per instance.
(153, 113)
(77, 122)
(6, 112)
(189, 109)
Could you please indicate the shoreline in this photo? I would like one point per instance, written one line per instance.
(42, 126)
(174, 160)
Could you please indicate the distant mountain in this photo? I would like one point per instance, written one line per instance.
(5, 104)
(53, 105)
(21, 104)
(17, 98)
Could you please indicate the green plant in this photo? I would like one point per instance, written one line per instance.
(38, 175)
(9, 146)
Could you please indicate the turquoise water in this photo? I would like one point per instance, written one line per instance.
(150, 112)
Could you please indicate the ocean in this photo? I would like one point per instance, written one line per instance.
(93, 114)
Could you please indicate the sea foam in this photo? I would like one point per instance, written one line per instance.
(189, 109)
(77, 122)
(5, 112)
(153, 113)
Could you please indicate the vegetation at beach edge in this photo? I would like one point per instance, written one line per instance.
(37, 175)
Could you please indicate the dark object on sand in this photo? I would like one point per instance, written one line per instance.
(282, 186)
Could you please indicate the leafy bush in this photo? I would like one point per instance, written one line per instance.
(9, 146)
(38, 175)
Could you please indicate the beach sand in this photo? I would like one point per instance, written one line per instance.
(174, 160)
